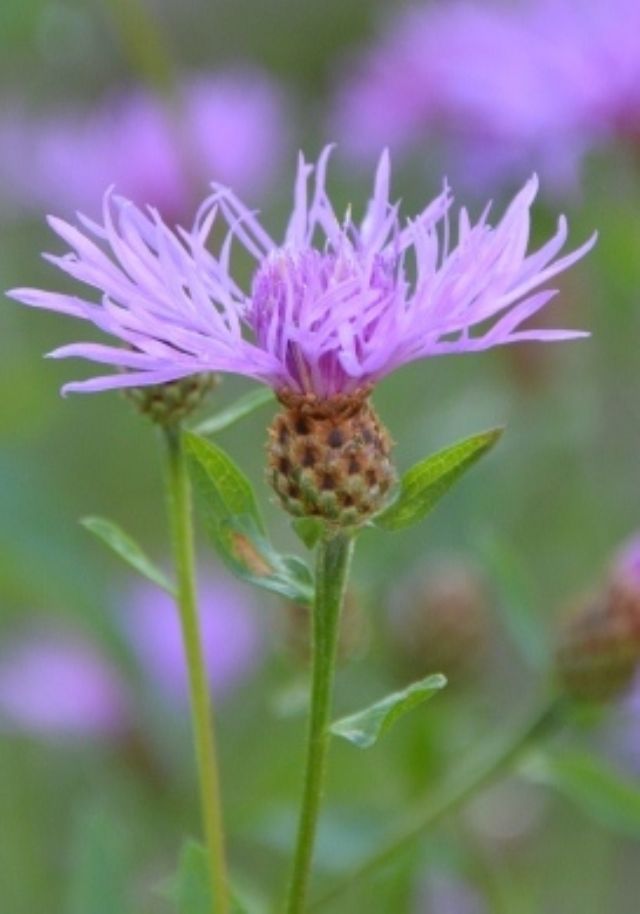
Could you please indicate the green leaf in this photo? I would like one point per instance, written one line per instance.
(122, 544)
(235, 526)
(229, 491)
(366, 727)
(309, 530)
(240, 408)
(427, 481)
(516, 603)
(250, 556)
(602, 793)
(192, 889)
(99, 866)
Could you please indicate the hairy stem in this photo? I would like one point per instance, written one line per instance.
(179, 497)
(332, 565)
(500, 757)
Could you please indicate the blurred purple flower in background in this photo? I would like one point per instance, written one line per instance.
(506, 88)
(331, 309)
(626, 565)
(58, 684)
(443, 893)
(229, 127)
(232, 635)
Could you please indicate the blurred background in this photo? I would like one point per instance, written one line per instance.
(97, 783)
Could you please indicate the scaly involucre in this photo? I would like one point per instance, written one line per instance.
(334, 308)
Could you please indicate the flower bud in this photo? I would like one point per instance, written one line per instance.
(170, 403)
(599, 647)
(330, 458)
(439, 619)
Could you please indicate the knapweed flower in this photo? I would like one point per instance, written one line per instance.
(227, 126)
(57, 684)
(329, 311)
(232, 636)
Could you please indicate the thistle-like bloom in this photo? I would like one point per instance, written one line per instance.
(330, 311)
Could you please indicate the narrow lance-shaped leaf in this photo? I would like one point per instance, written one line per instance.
(124, 546)
(239, 409)
(100, 865)
(235, 526)
(228, 490)
(516, 600)
(594, 786)
(425, 483)
(365, 728)
(192, 891)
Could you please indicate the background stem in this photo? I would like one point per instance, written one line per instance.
(179, 493)
(453, 795)
(332, 565)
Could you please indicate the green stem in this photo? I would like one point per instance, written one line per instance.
(179, 493)
(332, 566)
(144, 43)
(498, 759)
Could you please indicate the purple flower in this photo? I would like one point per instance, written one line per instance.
(443, 893)
(231, 128)
(58, 684)
(336, 306)
(506, 87)
(231, 633)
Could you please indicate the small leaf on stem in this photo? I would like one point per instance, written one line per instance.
(364, 728)
(124, 546)
(240, 408)
(426, 482)
(228, 489)
(235, 526)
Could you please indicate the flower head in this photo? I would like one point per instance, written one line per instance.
(331, 310)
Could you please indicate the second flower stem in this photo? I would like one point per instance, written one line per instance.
(180, 513)
(332, 566)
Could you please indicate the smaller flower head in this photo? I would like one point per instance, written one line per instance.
(598, 648)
